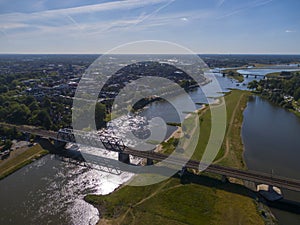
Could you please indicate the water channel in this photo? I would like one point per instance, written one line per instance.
(272, 145)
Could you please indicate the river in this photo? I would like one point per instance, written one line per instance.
(272, 145)
(49, 191)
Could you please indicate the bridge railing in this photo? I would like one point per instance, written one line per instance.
(100, 139)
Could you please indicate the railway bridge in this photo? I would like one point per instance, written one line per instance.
(112, 143)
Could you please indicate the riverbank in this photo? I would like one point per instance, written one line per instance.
(14, 163)
(281, 89)
(233, 74)
(296, 112)
(193, 199)
(169, 145)
(231, 152)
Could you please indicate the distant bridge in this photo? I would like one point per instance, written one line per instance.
(253, 75)
(112, 143)
(247, 75)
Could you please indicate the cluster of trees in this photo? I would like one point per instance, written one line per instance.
(276, 88)
(50, 114)
(27, 110)
(242, 60)
(235, 75)
(100, 115)
(81, 115)
(16, 108)
(6, 135)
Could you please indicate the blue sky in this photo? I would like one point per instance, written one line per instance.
(204, 26)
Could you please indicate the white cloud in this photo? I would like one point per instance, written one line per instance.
(60, 19)
(66, 14)
(12, 25)
(245, 7)
(40, 23)
(290, 31)
(47, 28)
(117, 5)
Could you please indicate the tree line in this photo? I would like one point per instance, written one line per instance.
(283, 90)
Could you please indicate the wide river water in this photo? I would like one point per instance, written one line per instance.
(271, 137)
(49, 191)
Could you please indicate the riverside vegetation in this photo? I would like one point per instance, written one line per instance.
(281, 88)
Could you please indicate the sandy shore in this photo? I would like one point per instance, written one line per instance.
(178, 132)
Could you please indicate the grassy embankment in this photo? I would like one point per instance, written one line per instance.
(231, 152)
(193, 199)
(232, 73)
(8, 166)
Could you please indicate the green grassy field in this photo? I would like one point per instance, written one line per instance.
(193, 199)
(9, 166)
(231, 150)
(190, 200)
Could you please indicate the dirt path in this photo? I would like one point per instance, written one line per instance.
(230, 126)
(129, 210)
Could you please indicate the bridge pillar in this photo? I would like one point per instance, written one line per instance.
(182, 171)
(123, 157)
(270, 192)
(224, 179)
(59, 144)
(149, 162)
(250, 185)
(26, 136)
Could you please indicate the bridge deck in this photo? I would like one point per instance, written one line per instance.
(254, 176)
